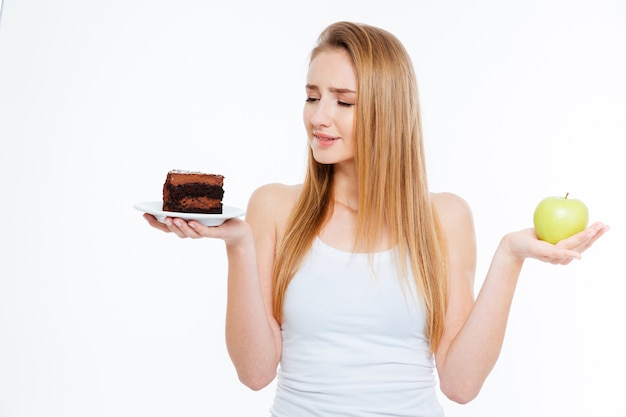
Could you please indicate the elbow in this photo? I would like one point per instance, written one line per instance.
(461, 394)
(256, 381)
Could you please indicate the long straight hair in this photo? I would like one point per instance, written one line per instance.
(393, 194)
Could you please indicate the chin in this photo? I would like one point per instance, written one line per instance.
(323, 161)
(332, 161)
(331, 156)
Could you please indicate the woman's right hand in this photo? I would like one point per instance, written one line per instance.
(231, 231)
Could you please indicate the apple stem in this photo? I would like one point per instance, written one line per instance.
(566, 194)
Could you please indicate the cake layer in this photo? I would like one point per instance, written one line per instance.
(194, 205)
(179, 177)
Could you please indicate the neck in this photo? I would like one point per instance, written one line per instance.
(345, 187)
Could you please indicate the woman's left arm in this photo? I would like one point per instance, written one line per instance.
(474, 329)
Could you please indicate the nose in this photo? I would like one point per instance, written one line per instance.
(321, 114)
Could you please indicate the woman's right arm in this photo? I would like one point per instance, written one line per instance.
(253, 335)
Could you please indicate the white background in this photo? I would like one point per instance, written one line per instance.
(101, 315)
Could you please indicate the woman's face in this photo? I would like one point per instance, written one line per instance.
(329, 108)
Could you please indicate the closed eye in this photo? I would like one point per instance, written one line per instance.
(339, 102)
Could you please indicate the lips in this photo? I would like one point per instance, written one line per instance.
(324, 137)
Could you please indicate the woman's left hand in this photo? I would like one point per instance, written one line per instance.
(525, 244)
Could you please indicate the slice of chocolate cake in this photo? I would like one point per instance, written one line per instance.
(193, 192)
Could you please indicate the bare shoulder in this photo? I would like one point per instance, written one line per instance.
(455, 219)
(451, 209)
(271, 204)
(275, 196)
(457, 224)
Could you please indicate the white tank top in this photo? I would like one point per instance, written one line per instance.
(354, 341)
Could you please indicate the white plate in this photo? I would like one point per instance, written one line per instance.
(156, 209)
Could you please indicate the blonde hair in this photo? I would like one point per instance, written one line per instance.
(392, 184)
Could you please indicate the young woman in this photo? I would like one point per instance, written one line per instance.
(354, 286)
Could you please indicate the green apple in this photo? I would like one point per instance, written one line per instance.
(557, 218)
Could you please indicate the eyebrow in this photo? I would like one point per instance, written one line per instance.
(332, 89)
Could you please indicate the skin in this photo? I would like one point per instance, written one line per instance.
(474, 327)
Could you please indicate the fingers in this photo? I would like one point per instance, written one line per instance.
(562, 256)
(583, 240)
(231, 231)
(169, 225)
(564, 260)
(599, 229)
(181, 228)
